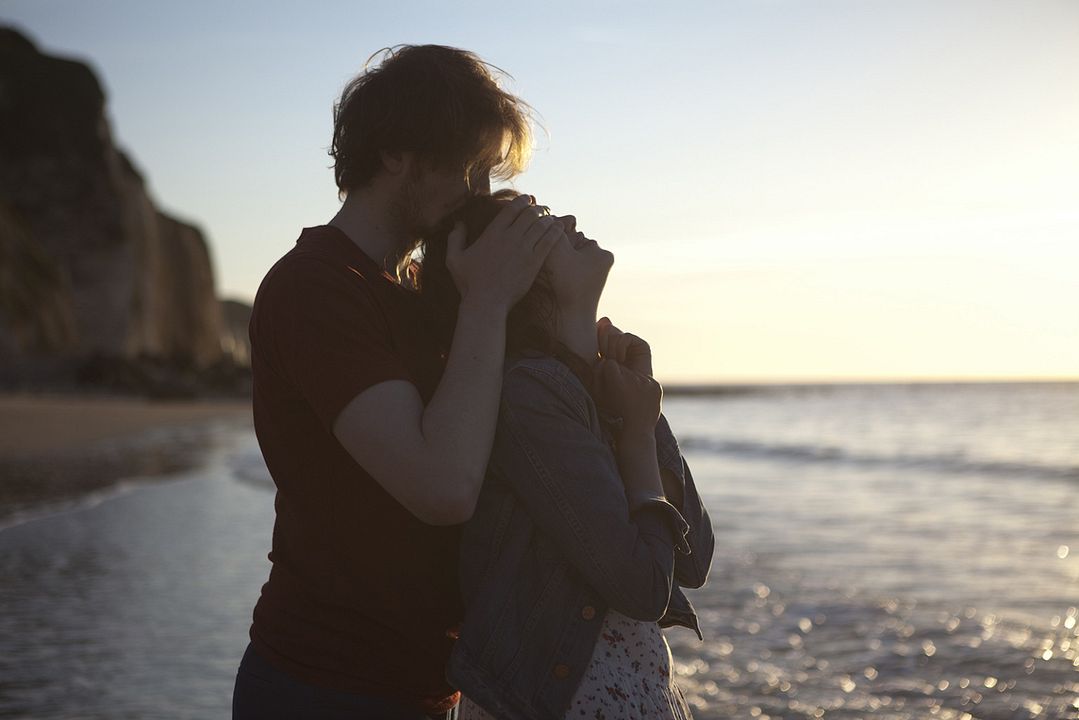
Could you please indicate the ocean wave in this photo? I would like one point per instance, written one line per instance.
(947, 463)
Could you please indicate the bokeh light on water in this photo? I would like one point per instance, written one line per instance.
(887, 552)
(834, 654)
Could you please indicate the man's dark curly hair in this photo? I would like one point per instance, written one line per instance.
(442, 103)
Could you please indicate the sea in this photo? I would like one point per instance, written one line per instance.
(892, 551)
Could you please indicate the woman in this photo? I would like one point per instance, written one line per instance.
(588, 521)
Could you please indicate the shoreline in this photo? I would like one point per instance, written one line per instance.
(57, 451)
(32, 425)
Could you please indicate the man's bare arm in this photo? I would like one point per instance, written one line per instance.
(432, 459)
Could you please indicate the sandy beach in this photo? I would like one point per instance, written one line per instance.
(56, 449)
(35, 425)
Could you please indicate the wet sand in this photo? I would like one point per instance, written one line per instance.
(55, 450)
(36, 425)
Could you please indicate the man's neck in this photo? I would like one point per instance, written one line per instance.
(367, 219)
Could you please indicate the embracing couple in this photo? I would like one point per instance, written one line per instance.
(481, 511)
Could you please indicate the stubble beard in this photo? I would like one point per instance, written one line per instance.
(409, 225)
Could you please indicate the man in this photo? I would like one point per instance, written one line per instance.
(377, 444)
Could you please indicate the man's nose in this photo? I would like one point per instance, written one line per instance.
(569, 222)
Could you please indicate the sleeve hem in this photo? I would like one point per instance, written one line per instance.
(670, 516)
(329, 412)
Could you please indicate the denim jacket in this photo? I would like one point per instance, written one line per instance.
(553, 544)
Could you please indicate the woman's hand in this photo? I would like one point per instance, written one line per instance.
(634, 396)
(625, 348)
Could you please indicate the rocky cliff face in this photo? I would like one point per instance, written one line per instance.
(235, 340)
(90, 267)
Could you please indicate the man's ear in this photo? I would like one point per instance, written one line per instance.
(397, 162)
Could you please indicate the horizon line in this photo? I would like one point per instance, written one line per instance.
(922, 380)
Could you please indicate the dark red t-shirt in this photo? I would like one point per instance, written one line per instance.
(362, 596)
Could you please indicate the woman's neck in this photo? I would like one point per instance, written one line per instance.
(577, 330)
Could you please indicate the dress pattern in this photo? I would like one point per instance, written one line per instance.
(628, 678)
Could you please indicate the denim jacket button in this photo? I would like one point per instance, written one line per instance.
(588, 612)
(561, 671)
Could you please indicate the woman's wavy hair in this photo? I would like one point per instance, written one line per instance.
(532, 323)
(440, 102)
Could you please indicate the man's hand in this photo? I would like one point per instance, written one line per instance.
(624, 348)
(499, 268)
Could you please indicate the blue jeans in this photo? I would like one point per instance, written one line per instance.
(263, 692)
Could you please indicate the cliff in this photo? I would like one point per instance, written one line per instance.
(91, 268)
(235, 340)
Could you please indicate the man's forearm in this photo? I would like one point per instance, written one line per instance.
(459, 421)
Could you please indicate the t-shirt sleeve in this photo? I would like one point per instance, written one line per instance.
(330, 337)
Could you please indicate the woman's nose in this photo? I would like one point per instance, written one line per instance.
(569, 222)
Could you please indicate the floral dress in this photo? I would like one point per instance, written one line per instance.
(628, 678)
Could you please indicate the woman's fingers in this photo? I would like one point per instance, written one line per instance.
(620, 345)
(604, 329)
(626, 393)
(638, 354)
(612, 341)
(626, 348)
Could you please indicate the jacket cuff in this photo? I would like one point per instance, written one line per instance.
(668, 453)
(656, 516)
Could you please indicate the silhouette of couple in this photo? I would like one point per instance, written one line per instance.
(481, 511)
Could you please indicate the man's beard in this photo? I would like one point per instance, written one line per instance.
(409, 224)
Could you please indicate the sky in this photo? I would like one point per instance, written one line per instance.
(793, 190)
